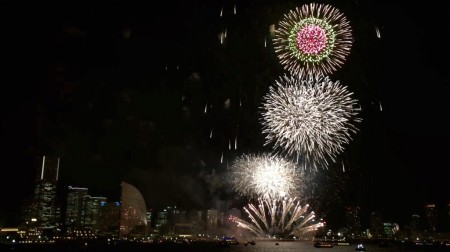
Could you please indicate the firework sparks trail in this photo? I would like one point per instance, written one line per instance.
(309, 117)
(287, 218)
(274, 181)
(315, 38)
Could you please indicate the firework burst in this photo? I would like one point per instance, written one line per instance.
(266, 176)
(313, 39)
(311, 118)
(279, 218)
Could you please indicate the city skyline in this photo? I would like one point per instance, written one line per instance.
(137, 99)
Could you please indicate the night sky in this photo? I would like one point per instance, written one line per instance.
(118, 91)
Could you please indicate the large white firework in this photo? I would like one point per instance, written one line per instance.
(315, 38)
(310, 118)
(266, 176)
(279, 218)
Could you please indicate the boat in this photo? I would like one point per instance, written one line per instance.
(323, 244)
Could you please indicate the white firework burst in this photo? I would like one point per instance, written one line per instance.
(266, 176)
(278, 217)
(310, 118)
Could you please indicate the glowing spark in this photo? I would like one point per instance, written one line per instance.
(377, 30)
(235, 143)
(221, 38)
(225, 33)
(310, 117)
(234, 9)
(206, 108)
(221, 12)
(229, 144)
(167, 67)
(221, 158)
(343, 167)
(381, 108)
(265, 42)
(315, 38)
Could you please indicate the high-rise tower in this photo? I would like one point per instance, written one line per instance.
(75, 210)
(133, 212)
(45, 208)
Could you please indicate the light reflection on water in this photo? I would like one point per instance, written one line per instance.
(290, 246)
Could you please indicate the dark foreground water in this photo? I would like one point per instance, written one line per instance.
(260, 246)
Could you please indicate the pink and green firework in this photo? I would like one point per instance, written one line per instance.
(313, 39)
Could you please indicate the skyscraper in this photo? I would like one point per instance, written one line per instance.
(109, 219)
(92, 214)
(45, 208)
(75, 210)
(353, 220)
(212, 220)
(133, 213)
(376, 225)
(431, 217)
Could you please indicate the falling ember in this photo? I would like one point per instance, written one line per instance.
(206, 108)
(210, 134)
(377, 30)
(221, 158)
(229, 144)
(221, 12)
(381, 108)
(235, 143)
(221, 38)
(234, 9)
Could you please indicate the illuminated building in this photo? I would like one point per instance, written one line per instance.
(83, 211)
(196, 218)
(76, 197)
(212, 220)
(92, 213)
(390, 229)
(133, 213)
(45, 209)
(431, 217)
(376, 225)
(415, 223)
(109, 219)
(353, 220)
(165, 220)
(447, 226)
